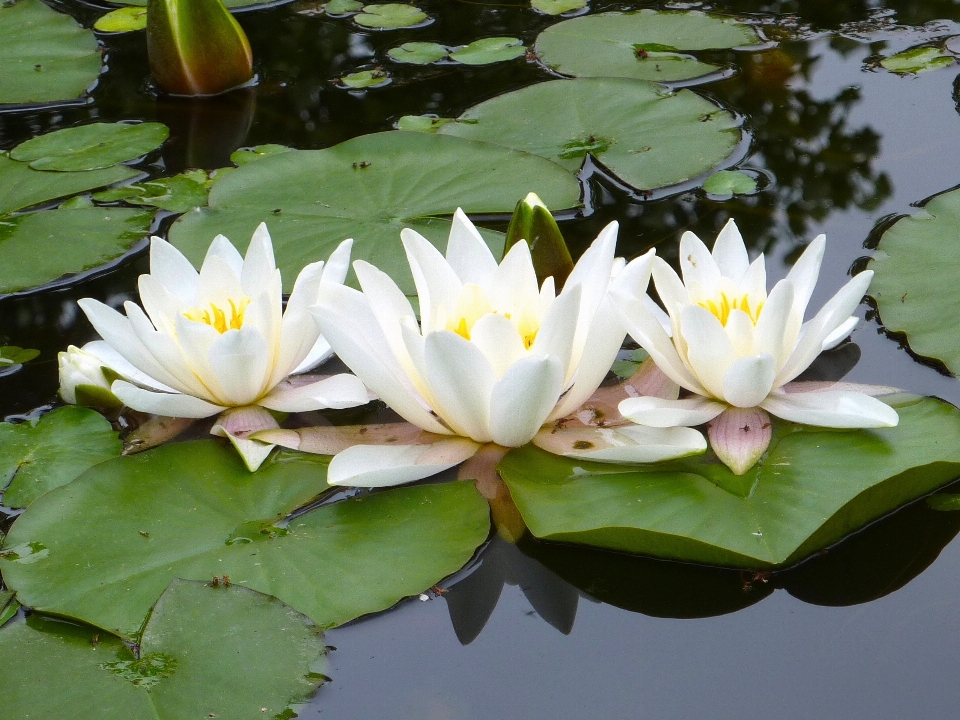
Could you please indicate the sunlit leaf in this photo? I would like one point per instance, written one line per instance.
(343, 7)
(489, 50)
(90, 147)
(246, 155)
(205, 652)
(389, 16)
(730, 182)
(794, 503)
(122, 20)
(365, 79)
(13, 355)
(418, 53)
(421, 123)
(232, 4)
(917, 60)
(179, 193)
(557, 7)
(104, 547)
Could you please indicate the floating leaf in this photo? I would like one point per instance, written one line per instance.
(489, 50)
(418, 53)
(915, 285)
(8, 606)
(644, 45)
(21, 186)
(232, 4)
(246, 155)
(368, 194)
(122, 20)
(390, 16)
(178, 194)
(343, 7)
(644, 135)
(90, 147)
(730, 182)
(118, 534)
(557, 7)
(917, 60)
(46, 56)
(13, 355)
(625, 368)
(41, 247)
(944, 502)
(421, 123)
(795, 503)
(205, 652)
(365, 79)
(37, 456)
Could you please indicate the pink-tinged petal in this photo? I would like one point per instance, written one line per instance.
(730, 253)
(740, 436)
(112, 360)
(171, 269)
(461, 380)
(338, 391)
(651, 381)
(468, 254)
(632, 444)
(437, 284)
(661, 413)
(498, 339)
(697, 264)
(749, 380)
(804, 273)
(388, 465)
(259, 266)
(803, 386)
(523, 398)
(709, 350)
(831, 408)
(338, 265)
(332, 439)
(238, 424)
(775, 334)
(840, 334)
(156, 403)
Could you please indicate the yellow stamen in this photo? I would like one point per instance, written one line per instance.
(217, 317)
(724, 305)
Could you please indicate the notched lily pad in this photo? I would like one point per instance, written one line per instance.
(390, 16)
(418, 53)
(813, 487)
(259, 655)
(90, 147)
(122, 20)
(365, 79)
(489, 50)
(917, 60)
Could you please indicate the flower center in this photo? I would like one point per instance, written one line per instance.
(218, 317)
(473, 304)
(724, 304)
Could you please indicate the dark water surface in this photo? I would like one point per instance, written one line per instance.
(870, 629)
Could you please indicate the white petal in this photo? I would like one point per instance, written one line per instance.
(740, 436)
(730, 253)
(697, 264)
(840, 334)
(387, 465)
(468, 254)
(169, 404)
(171, 269)
(515, 282)
(593, 269)
(437, 283)
(659, 314)
(259, 266)
(338, 265)
(523, 398)
(161, 305)
(222, 248)
(239, 360)
(319, 353)
(634, 278)
(626, 444)
(831, 408)
(498, 339)
(218, 282)
(740, 331)
(754, 282)
(670, 288)
(558, 331)
(194, 340)
(709, 350)
(114, 361)
(338, 391)
(388, 304)
(804, 273)
(299, 334)
(461, 380)
(657, 412)
(749, 380)
(773, 335)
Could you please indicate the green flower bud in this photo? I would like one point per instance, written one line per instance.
(533, 222)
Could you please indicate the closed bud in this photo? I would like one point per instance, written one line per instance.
(533, 222)
(83, 380)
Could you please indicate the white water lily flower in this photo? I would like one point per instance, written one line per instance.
(493, 358)
(79, 368)
(205, 342)
(735, 346)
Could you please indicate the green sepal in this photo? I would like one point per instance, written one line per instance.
(533, 222)
(98, 398)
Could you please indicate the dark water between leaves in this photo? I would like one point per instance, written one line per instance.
(870, 629)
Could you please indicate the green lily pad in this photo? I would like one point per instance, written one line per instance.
(422, 123)
(730, 182)
(489, 50)
(914, 285)
(178, 194)
(644, 135)
(8, 606)
(37, 456)
(41, 247)
(46, 56)
(343, 7)
(368, 194)
(645, 45)
(21, 186)
(917, 60)
(246, 155)
(13, 355)
(812, 488)
(365, 79)
(557, 7)
(122, 20)
(90, 147)
(205, 652)
(390, 16)
(232, 4)
(102, 548)
(418, 53)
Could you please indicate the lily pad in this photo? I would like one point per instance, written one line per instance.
(46, 56)
(21, 186)
(730, 182)
(418, 53)
(232, 4)
(122, 20)
(178, 194)
(557, 7)
(644, 135)
(343, 7)
(373, 186)
(646, 44)
(205, 652)
(13, 355)
(812, 488)
(390, 16)
(90, 147)
(914, 285)
(41, 247)
(422, 123)
(116, 536)
(917, 60)
(489, 50)
(8, 606)
(246, 155)
(365, 79)
(37, 456)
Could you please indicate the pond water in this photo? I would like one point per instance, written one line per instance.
(868, 629)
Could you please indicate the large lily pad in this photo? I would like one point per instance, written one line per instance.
(645, 45)
(45, 55)
(643, 134)
(205, 652)
(102, 548)
(38, 456)
(21, 186)
(812, 488)
(232, 4)
(372, 187)
(915, 285)
(44, 246)
(90, 147)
